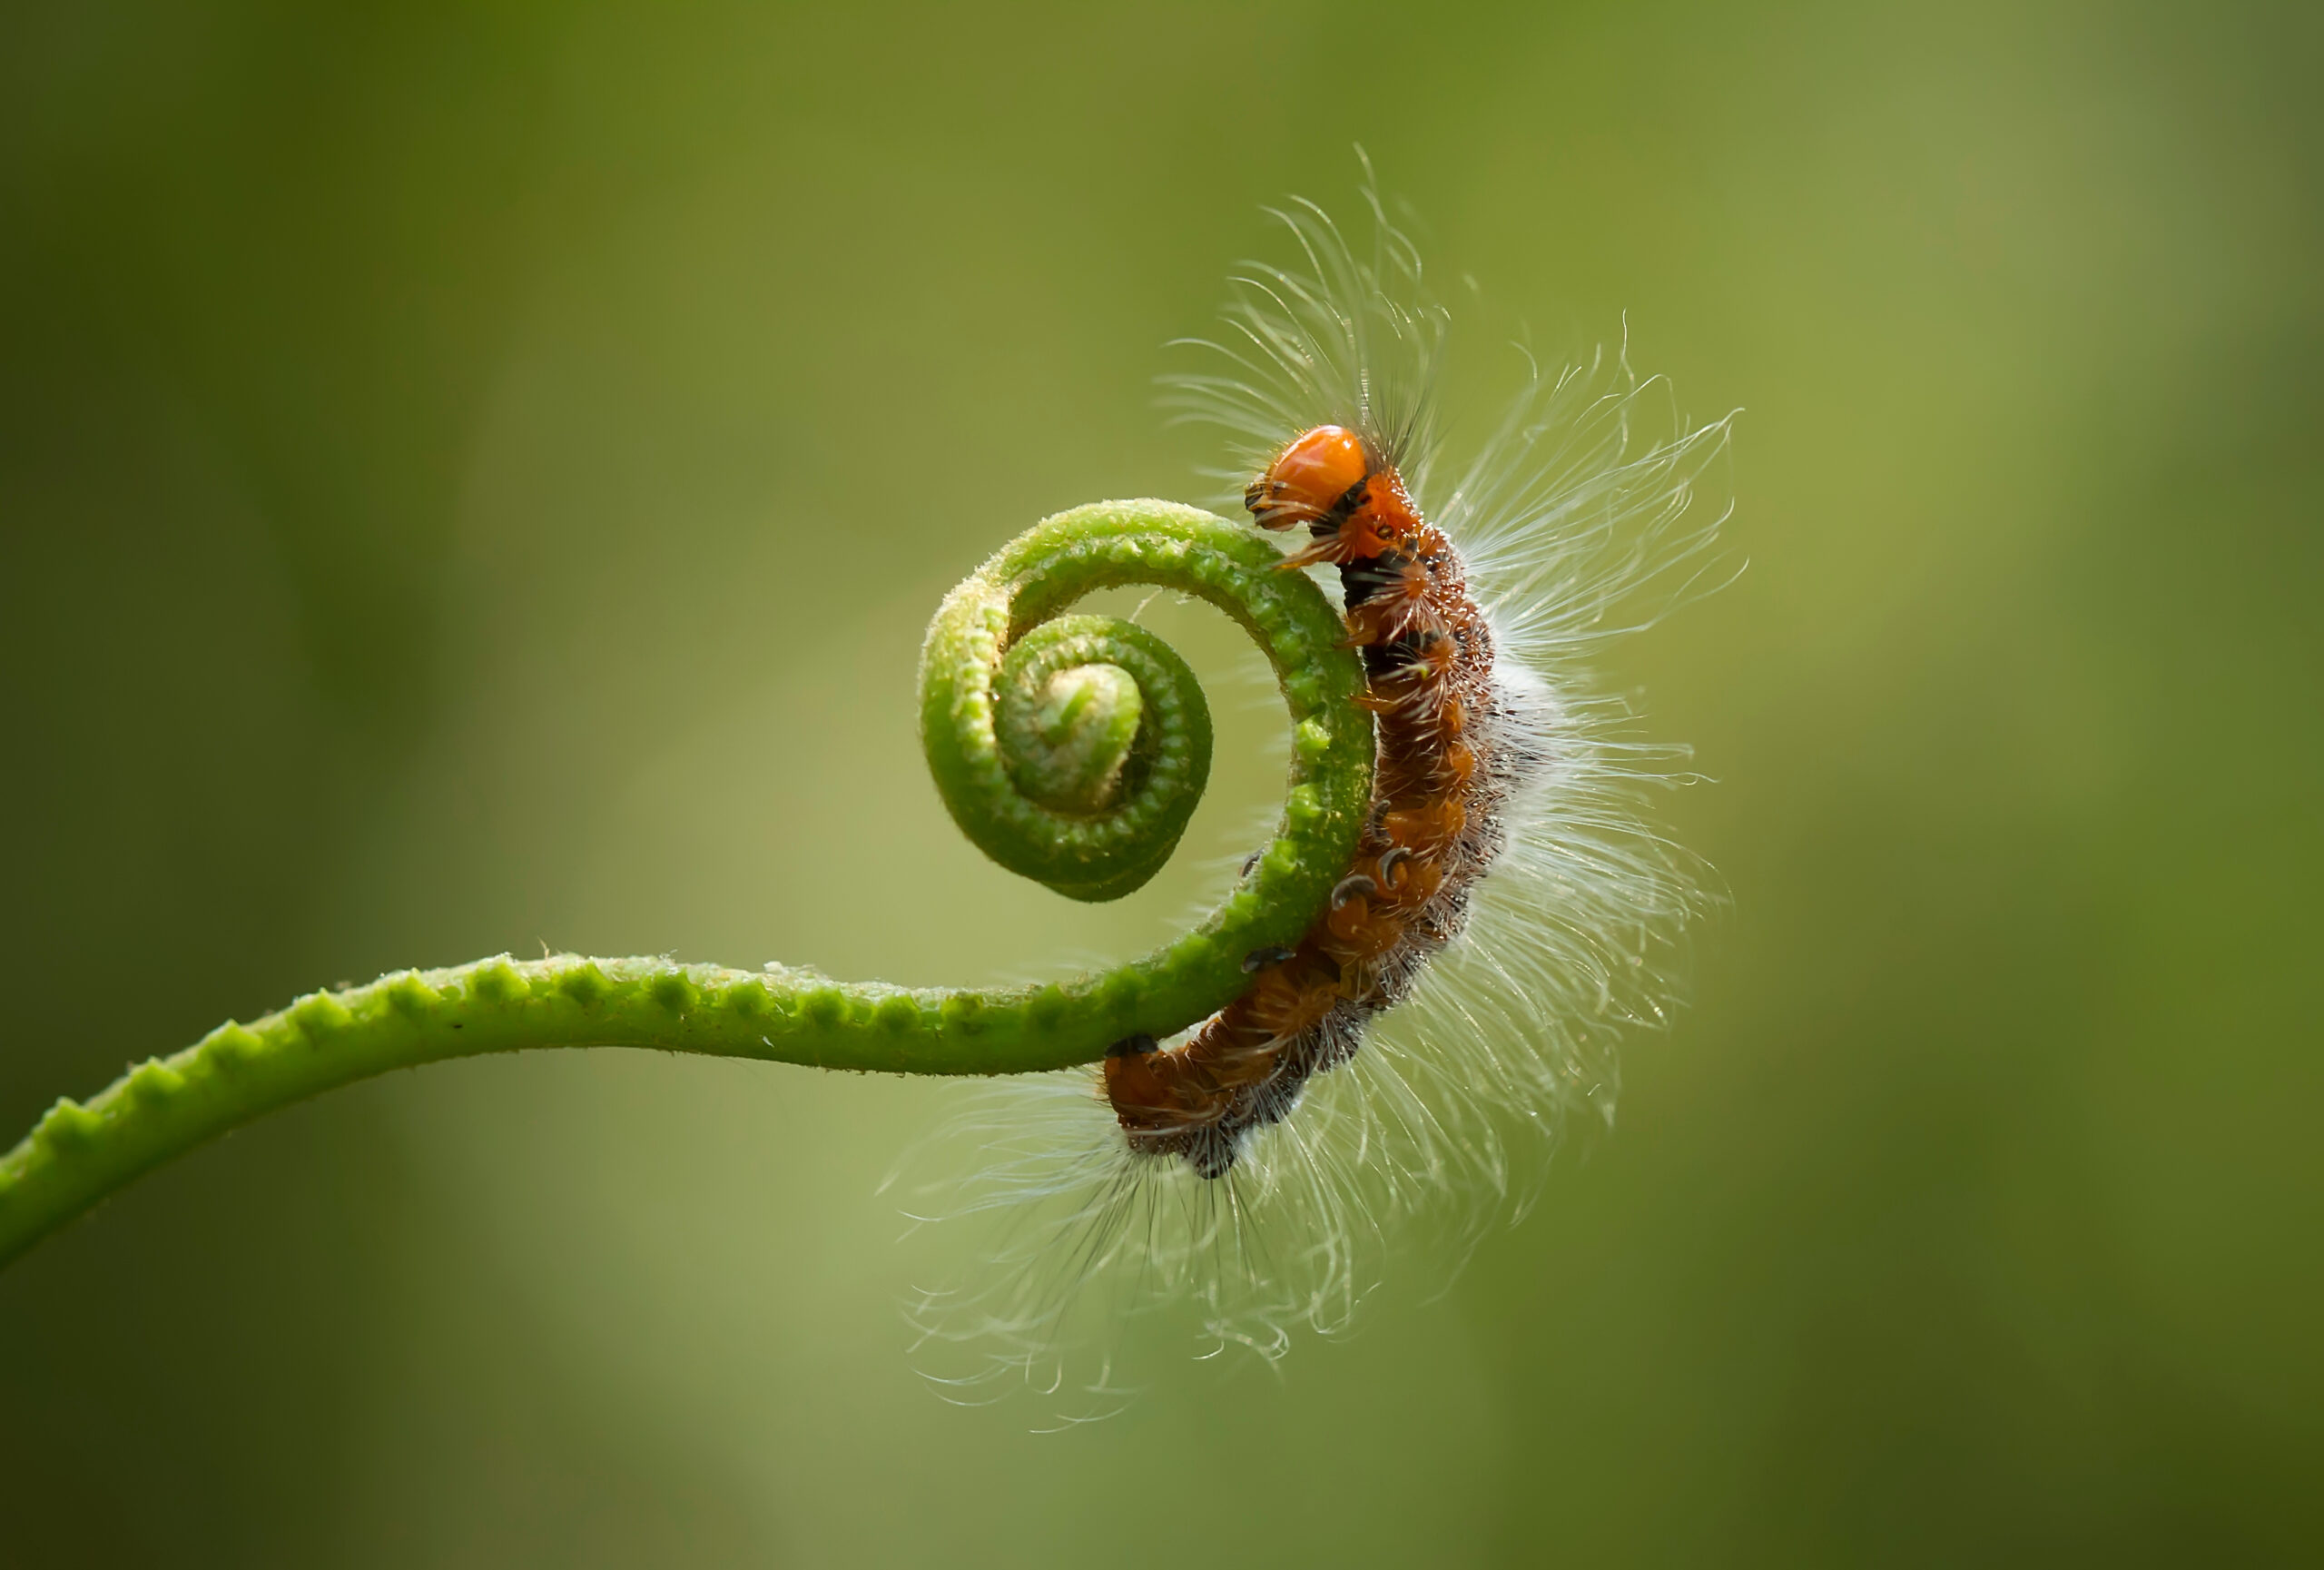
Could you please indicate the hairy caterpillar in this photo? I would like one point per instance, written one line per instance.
(1507, 909)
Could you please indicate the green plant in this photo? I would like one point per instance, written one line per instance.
(1071, 748)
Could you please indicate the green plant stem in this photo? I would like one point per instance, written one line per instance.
(1011, 691)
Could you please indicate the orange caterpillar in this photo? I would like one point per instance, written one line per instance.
(1443, 766)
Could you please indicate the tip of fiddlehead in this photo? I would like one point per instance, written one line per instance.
(1076, 733)
(1071, 741)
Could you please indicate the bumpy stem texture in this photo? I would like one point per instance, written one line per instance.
(1070, 748)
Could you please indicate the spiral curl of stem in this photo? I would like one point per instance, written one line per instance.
(1070, 748)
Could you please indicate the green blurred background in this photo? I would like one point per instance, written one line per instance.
(474, 477)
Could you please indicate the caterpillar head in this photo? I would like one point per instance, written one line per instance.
(1310, 479)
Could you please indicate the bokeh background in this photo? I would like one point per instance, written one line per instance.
(473, 476)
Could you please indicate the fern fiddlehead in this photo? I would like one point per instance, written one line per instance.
(1070, 748)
